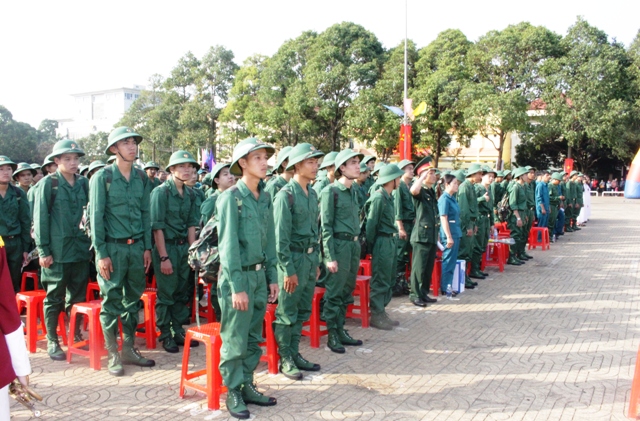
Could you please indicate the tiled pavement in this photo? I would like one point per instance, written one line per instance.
(555, 339)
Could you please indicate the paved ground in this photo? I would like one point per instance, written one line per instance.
(555, 339)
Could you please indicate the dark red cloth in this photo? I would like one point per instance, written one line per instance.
(9, 319)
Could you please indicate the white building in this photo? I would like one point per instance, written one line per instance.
(97, 111)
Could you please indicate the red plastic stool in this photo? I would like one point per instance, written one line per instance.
(209, 335)
(494, 256)
(271, 356)
(92, 288)
(315, 324)
(30, 274)
(34, 303)
(365, 268)
(150, 333)
(208, 314)
(91, 311)
(533, 238)
(436, 277)
(361, 310)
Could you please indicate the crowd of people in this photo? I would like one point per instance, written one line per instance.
(308, 222)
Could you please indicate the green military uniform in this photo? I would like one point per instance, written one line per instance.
(517, 201)
(405, 212)
(381, 240)
(121, 231)
(569, 202)
(275, 184)
(173, 213)
(58, 233)
(15, 226)
(247, 264)
(370, 181)
(530, 190)
(579, 202)
(424, 239)
(484, 223)
(554, 201)
(296, 215)
(497, 193)
(468, 203)
(340, 229)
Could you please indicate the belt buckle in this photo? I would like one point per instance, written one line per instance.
(310, 250)
(259, 266)
(130, 241)
(355, 238)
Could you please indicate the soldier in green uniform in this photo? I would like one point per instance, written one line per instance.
(62, 244)
(15, 221)
(48, 167)
(151, 168)
(497, 192)
(374, 173)
(340, 229)
(296, 214)
(276, 183)
(530, 191)
(381, 242)
(424, 237)
(508, 177)
(94, 167)
(484, 221)
(468, 203)
(405, 217)
(359, 185)
(174, 217)
(121, 238)
(554, 202)
(370, 162)
(221, 179)
(247, 265)
(327, 165)
(39, 174)
(23, 176)
(517, 217)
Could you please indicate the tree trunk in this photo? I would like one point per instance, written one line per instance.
(499, 163)
(436, 158)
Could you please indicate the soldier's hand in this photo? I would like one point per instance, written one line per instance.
(25, 258)
(45, 262)
(240, 301)
(402, 234)
(105, 267)
(332, 266)
(147, 261)
(166, 267)
(544, 212)
(449, 242)
(486, 197)
(317, 273)
(290, 283)
(274, 290)
(519, 223)
(470, 232)
(475, 230)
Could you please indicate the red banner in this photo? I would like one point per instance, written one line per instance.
(568, 165)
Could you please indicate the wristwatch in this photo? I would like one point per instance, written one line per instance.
(164, 258)
(516, 219)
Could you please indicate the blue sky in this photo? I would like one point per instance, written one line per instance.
(52, 49)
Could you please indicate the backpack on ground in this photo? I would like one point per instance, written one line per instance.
(503, 208)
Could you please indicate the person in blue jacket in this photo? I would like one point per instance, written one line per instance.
(450, 231)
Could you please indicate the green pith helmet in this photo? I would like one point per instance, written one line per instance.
(214, 173)
(82, 169)
(486, 170)
(65, 146)
(321, 174)
(376, 168)
(5, 160)
(283, 155)
(557, 176)
(506, 172)
(345, 155)
(36, 166)
(119, 134)
(301, 152)
(363, 168)
(368, 158)
(404, 163)
(459, 175)
(474, 169)
(529, 168)
(150, 165)
(181, 157)
(111, 159)
(388, 173)
(245, 147)
(424, 162)
(519, 172)
(23, 166)
(574, 172)
(96, 165)
(329, 159)
(499, 174)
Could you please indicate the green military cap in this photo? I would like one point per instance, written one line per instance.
(506, 173)
(301, 152)
(207, 180)
(574, 172)
(368, 158)
(499, 174)
(137, 166)
(182, 157)
(36, 166)
(446, 172)
(404, 163)
(5, 160)
(82, 169)
(65, 146)
(283, 155)
(329, 159)
(243, 148)
(150, 165)
(459, 175)
(438, 172)
(321, 174)
(424, 162)
(345, 155)
(214, 173)
(519, 172)
(23, 166)
(486, 170)
(379, 165)
(95, 165)
(388, 173)
(363, 167)
(474, 169)
(111, 159)
(557, 176)
(119, 134)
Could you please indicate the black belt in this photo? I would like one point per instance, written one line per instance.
(128, 241)
(408, 221)
(308, 250)
(176, 241)
(8, 237)
(385, 234)
(473, 219)
(344, 236)
(253, 268)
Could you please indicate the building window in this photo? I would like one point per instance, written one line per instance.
(128, 96)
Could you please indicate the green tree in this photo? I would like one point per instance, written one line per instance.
(19, 141)
(94, 146)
